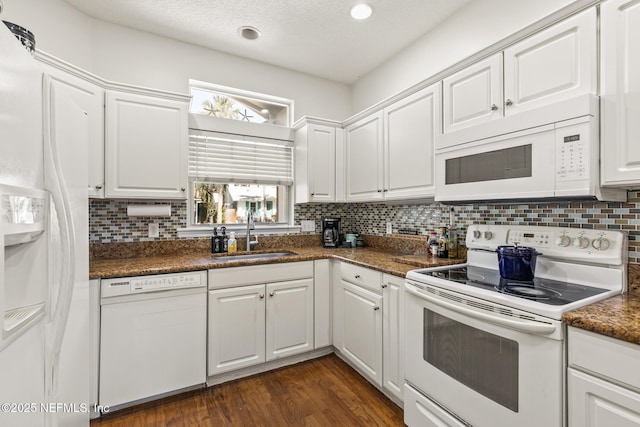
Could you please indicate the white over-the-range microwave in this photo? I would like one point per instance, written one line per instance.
(556, 160)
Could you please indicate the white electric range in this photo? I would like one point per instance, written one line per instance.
(485, 351)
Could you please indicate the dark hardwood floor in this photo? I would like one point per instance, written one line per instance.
(320, 392)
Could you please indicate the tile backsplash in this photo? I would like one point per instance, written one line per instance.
(109, 222)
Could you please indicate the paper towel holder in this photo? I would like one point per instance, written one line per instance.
(149, 210)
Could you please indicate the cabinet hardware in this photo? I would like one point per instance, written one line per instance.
(494, 107)
(271, 293)
(98, 187)
(183, 189)
(384, 285)
(261, 296)
(376, 308)
(385, 190)
(313, 194)
(379, 191)
(509, 102)
(357, 276)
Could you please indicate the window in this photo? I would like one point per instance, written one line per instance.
(235, 104)
(231, 175)
(230, 203)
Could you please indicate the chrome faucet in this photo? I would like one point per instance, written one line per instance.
(250, 226)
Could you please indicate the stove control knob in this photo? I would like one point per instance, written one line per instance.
(563, 240)
(581, 242)
(601, 244)
(476, 234)
(488, 235)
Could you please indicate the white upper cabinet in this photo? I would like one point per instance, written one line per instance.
(85, 92)
(364, 158)
(620, 92)
(553, 65)
(319, 171)
(410, 127)
(473, 95)
(146, 145)
(390, 153)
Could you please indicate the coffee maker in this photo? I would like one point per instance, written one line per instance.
(331, 232)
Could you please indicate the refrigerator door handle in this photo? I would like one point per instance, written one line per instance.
(58, 318)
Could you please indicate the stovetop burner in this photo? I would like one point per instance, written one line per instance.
(545, 291)
(527, 290)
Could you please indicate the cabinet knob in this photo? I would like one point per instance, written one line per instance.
(261, 296)
(376, 308)
(357, 276)
(271, 293)
(509, 103)
(379, 191)
(494, 107)
(313, 194)
(98, 187)
(385, 190)
(384, 285)
(183, 189)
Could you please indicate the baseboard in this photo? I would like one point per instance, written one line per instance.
(268, 366)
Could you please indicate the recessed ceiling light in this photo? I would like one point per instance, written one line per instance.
(249, 33)
(264, 111)
(361, 11)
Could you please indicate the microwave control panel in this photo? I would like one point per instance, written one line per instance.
(573, 153)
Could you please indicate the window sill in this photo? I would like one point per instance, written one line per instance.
(239, 229)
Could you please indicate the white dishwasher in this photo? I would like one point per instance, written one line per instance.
(152, 337)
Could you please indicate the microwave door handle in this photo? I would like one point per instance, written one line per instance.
(525, 326)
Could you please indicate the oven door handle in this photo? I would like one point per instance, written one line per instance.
(525, 326)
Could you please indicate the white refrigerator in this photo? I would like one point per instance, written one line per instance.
(44, 284)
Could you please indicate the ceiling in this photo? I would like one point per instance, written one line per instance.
(317, 37)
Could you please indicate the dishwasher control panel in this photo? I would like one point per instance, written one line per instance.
(158, 282)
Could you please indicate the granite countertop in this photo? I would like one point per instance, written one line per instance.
(397, 264)
(617, 317)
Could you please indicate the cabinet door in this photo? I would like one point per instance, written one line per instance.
(322, 163)
(236, 328)
(410, 127)
(364, 149)
(393, 335)
(289, 318)
(620, 98)
(473, 95)
(146, 146)
(593, 402)
(553, 65)
(89, 98)
(322, 303)
(362, 330)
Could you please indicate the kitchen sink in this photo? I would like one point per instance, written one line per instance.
(263, 256)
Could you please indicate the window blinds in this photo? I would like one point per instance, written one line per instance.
(220, 157)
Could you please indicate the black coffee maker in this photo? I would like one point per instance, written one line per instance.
(331, 232)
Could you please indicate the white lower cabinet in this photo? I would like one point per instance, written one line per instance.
(393, 335)
(358, 320)
(252, 323)
(362, 330)
(236, 328)
(602, 381)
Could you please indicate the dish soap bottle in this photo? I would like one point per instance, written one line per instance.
(232, 244)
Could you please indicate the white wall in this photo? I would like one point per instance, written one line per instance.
(124, 55)
(144, 59)
(59, 29)
(477, 26)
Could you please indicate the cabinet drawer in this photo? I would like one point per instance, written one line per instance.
(604, 356)
(258, 274)
(361, 276)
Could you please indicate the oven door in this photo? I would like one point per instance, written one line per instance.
(513, 166)
(486, 364)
